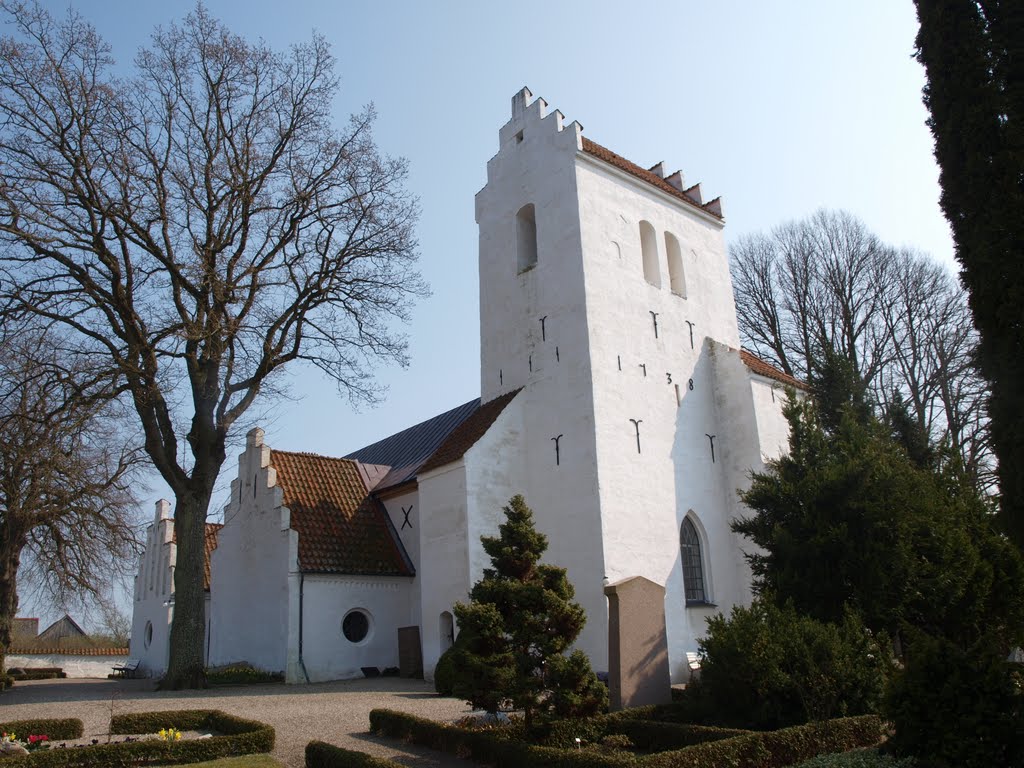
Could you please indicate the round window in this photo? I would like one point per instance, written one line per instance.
(148, 639)
(355, 626)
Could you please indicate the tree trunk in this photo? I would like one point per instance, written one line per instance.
(186, 666)
(10, 558)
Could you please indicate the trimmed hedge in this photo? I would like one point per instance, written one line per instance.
(39, 674)
(56, 729)
(771, 749)
(321, 755)
(243, 737)
(775, 749)
(652, 736)
(485, 746)
(6, 681)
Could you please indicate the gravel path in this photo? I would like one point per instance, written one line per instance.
(337, 713)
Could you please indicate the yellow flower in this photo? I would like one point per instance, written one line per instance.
(177, 735)
(163, 733)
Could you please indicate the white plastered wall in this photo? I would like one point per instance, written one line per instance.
(534, 335)
(154, 589)
(327, 599)
(254, 612)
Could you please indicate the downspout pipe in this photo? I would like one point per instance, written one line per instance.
(302, 664)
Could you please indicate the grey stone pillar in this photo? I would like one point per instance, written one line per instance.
(638, 671)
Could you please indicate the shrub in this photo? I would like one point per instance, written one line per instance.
(321, 755)
(858, 758)
(241, 737)
(242, 675)
(775, 749)
(66, 728)
(768, 667)
(444, 673)
(956, 707)
(750, 750)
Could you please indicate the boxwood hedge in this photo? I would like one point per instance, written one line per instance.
(769, 749)
(66, 728)
(321, 755)
(241, 737)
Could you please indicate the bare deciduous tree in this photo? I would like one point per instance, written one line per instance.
(199, 227)
(827, 283)
(65, 501)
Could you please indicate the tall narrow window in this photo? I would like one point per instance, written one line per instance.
(447, 628)
(676, 278)
(649, 248)
(526, 237)
(693, 568)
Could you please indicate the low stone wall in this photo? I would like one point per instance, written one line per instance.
(91, 662)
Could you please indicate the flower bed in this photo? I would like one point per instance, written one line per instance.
(770, 749)
(240, 737)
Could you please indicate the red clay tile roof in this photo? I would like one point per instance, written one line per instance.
(211, 544)
(340, 529)
(603, 153)
(464, 437)
(68, 652)
(406, 451)
(761, 368)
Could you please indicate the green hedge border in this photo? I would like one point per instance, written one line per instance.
(770, 749)
(321, 755)
(55, 728)
(242, 737)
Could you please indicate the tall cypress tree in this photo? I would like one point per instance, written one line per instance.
(973, 55)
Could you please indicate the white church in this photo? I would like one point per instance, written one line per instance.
(613, 395)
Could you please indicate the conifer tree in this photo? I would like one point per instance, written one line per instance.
(973, 55)
(514, 632)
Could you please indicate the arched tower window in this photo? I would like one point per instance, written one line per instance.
(649, 248)
(446, 625)
(676, 278)
(693, 564)
(526, 237)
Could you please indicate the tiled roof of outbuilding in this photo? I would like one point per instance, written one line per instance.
(603, 153)
(464, 436)
(67, 652)
(340, 529)
(210, 545)
(406, 451)
(762, 368)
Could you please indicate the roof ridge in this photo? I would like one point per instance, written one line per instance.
(602, 152)
(311, 455)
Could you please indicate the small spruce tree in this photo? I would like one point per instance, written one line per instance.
(514, 632)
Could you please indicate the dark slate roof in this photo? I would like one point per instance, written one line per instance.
(408, 450)
(464, 437)
(340, 529)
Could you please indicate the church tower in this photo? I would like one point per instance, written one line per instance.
(605, 295)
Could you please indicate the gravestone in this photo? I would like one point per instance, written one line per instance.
(638, 670)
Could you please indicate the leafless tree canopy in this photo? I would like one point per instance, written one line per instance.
(198, 227)
(827, 283)
(66, 507)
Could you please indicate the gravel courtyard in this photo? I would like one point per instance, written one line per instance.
(337, 713)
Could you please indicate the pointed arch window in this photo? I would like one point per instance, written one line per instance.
(693, 564)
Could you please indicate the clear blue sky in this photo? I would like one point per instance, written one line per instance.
(780, 107)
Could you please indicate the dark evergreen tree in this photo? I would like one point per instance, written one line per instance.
(973, 55)
(514, 632)
(907, 432)
(846, 519)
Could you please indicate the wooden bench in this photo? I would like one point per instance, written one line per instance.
(128, 669)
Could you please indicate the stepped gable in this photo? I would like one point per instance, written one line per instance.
(408, 450)
(464, 437)
(594, 149)
(769, 371)
(340, 529)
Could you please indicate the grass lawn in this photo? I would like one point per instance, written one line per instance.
(244, 761)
